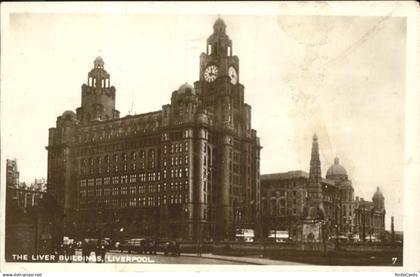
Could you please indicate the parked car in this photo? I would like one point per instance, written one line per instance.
(168, 247)
(122, 245)
(150, 246)
(137, 245)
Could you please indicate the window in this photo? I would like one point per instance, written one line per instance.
(123, 190)
(98, 181)
(82, 183)
(107, 180)
(133, 156)
(90, 182)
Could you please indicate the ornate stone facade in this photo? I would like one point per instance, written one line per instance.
(189, 170)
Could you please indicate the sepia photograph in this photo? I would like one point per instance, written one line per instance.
(265, 134)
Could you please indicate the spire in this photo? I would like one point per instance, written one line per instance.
(336, 160)
(315, 205)
(315, 166)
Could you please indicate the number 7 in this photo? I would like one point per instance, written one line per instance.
(394, 260)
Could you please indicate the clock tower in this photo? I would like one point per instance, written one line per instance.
(235, 204)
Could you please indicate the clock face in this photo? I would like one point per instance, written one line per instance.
(210, 74)
(233, 75)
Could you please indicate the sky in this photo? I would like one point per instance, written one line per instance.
(342, 77)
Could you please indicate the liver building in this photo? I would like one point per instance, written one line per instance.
(190, 170)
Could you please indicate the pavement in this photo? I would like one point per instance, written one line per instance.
(245, 260)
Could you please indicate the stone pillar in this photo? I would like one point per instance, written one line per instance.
(198, 189)
(224, 190)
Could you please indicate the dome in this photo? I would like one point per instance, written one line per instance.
(186, 89)
(219, 21)
(69, 115)
(378, 194)
(219, 26)
(99, 62)
(336, 169)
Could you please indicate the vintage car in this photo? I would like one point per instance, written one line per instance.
(168, 247)
(137, 245)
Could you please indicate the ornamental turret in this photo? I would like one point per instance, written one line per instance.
(98, 96)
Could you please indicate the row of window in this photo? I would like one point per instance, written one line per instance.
(175, 173)
(175, 160)
(283, 193)
(145, 201)
(176, 148)
(133, 156)
(140, 189)
(116, 131)
(141, 155)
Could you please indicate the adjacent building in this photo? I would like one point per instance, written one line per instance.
(288, 198)
(189, 170)
(369, 216)
(23, 228)
(12, 173)
(19, 195)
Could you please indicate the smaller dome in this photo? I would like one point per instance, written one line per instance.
(99, 62)
(186, 89)
(378, 194)
(69, 115)
(336, 169)
(219, 21)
